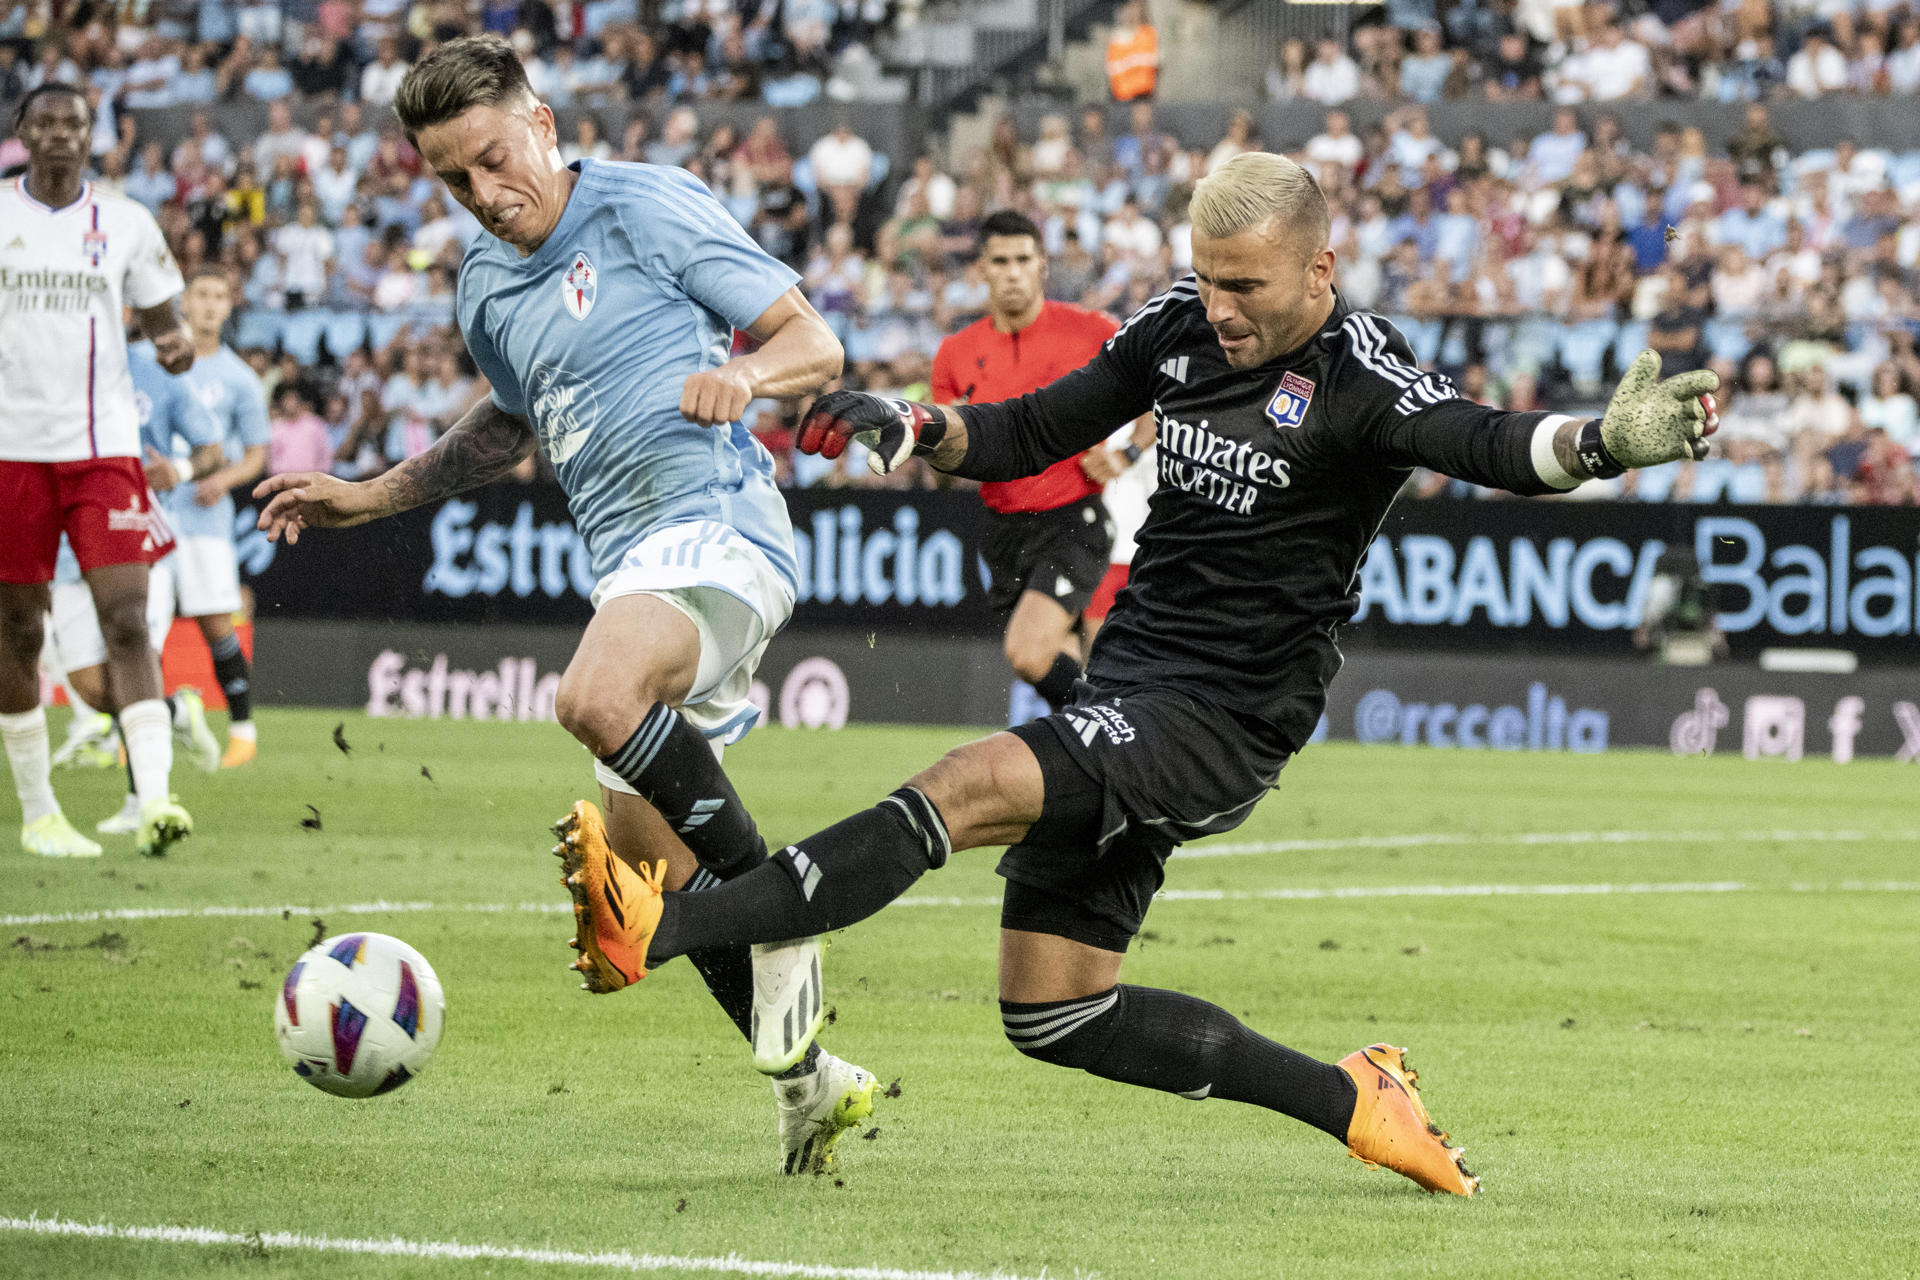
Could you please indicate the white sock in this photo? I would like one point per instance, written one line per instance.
(148, 730)
(30, 752)
(245, 730)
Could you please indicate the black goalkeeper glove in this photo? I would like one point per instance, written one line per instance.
(892, 429)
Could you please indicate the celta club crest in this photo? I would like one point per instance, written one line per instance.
(579, 286)
(1289, 404)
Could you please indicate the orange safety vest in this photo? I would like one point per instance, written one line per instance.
(1133, 63)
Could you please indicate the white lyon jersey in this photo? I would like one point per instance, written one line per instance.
(65, 393)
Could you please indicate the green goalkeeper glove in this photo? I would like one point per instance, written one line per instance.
(1649, 422)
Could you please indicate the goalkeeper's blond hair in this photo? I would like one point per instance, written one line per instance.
(1257, 188)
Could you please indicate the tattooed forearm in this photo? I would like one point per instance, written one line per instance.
(480, 448)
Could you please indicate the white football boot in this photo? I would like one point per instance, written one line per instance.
(788, 1009)
(191, 731)
(54, 837)
(90, 744)
(124, 823)
(816, 1109)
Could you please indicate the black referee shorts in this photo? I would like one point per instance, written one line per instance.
(1061, 553)
(1129, 775)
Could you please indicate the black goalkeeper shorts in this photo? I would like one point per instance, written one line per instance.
(1129, 775)
(1061, 553)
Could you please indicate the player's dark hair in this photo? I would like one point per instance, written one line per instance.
(472, 71)
(40, 91)
(1007, 222)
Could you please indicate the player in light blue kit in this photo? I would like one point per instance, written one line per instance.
(172, 424)
(206, 563)
(602, 305)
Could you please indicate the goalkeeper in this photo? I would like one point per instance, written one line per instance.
(1288, 421)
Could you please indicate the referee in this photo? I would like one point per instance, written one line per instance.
(1288, 423)
(1048, 535)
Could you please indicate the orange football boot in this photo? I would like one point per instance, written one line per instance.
(240, 751)
(615, 908)
(1390, 1127)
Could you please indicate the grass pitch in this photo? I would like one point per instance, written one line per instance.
(1685, 1056)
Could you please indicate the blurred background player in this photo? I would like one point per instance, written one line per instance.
(169, 414)
(1047, 536)
(1127, 496)
(206, 565)
(70, 461)
(601, 307)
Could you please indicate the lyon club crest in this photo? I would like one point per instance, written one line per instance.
(579, 286)
(1289, 403)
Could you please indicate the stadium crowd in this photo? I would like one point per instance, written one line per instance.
(1529, 268)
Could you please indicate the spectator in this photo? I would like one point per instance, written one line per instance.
(267, 80)
(1552, 155)
(1818, 68)
(1423, 75)
(380, 79)
(306, 253)
(298, 439)
(1333, 77)
(1613, 68)
(1133, 54)
(842, 167)
(1890, 409)
(1513, 73)
(1286, 77)
(1335, 145)
(1240, 139)
(283, 139)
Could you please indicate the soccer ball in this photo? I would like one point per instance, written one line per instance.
(359, 1014)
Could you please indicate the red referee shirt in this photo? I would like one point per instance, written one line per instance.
(980, 364)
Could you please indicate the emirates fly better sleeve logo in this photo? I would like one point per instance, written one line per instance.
(580, 286)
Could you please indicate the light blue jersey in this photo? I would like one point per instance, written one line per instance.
(593, 336)
(169, 412)
(232, 394)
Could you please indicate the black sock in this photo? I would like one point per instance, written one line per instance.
(674, 770)
(1172, 1042)
(727, 971)
(827, 881)
(235, 674)
(1057, 685)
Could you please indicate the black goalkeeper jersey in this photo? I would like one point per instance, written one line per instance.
(1272, 483)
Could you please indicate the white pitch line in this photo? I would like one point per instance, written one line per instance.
(1429, 839)
(1308, 894)
(453, 1251)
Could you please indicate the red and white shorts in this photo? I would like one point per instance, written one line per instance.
(101, 504)
(1102, 603)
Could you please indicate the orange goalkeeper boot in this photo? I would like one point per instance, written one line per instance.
(615, 908)
(1390, 1126)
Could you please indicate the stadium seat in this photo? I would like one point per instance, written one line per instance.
(1710, 480)
(1583, 348)
(1630, 342)
(257, 328)
(300, 335)
(346, 330)
(1422, 335)
(1726, 338)
(383, 329)
(1747, 483)
(1655, 484)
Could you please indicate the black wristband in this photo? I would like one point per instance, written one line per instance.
(1131, 452)
(1600, 464)
(932, 433)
